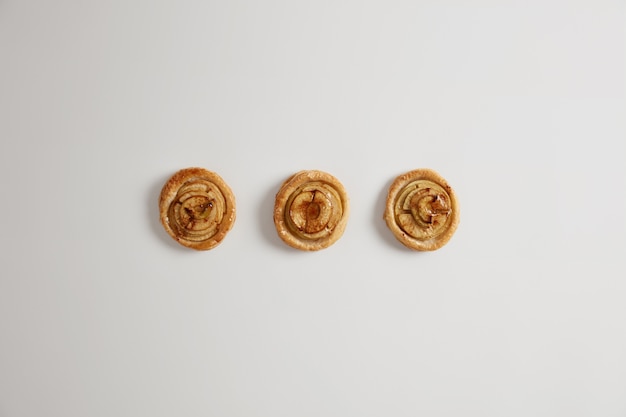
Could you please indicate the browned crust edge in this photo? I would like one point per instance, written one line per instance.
(398, 184)
(169, 192)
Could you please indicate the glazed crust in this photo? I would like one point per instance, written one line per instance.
(422, 211)
(311, 210)
(197, 208)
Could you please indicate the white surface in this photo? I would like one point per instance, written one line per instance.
(520, 105)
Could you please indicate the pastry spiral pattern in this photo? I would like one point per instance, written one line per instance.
(311, 210)
(422, 210)
(197, 208)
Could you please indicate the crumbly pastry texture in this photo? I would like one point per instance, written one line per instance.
(197, 208)
(422, 210)
(311, 210)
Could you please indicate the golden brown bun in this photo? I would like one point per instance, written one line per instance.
(422, 210)
(197, 208)
(311, 210)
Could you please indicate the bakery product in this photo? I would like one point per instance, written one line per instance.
(422, 210)
(197, 208)
(311, 210)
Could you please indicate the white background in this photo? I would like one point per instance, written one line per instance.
(520, 105)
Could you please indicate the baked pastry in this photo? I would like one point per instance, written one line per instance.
(197, 208)
(311, 210)
(422, 211)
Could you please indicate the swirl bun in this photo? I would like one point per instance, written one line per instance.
(197, 208)
(422, 211)
(311, 210)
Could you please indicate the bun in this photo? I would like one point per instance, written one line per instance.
(422, 211)
(311, 210)
(197, 208)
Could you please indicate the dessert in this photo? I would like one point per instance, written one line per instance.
(421, 210)
(197, 208)
(311, 210)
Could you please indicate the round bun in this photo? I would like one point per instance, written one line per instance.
(311, 210)
(197, 208)
(422, 210)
